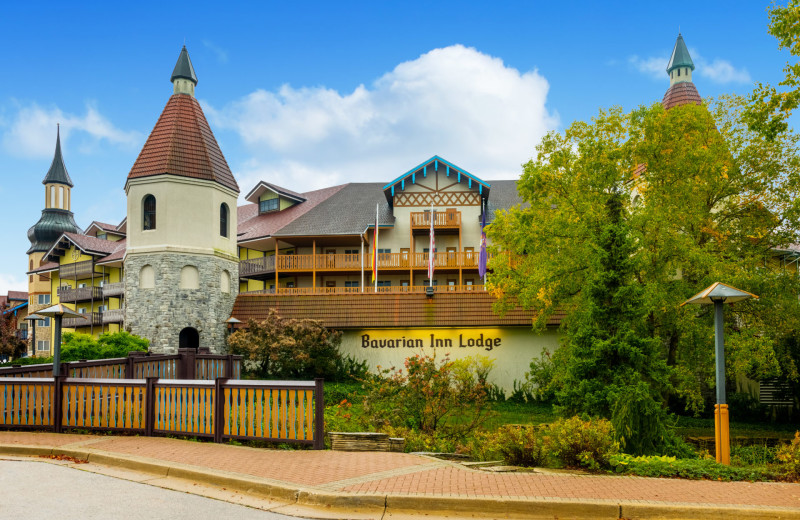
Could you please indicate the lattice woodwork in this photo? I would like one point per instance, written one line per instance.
(439, 198)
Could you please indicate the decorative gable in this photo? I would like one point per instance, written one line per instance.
(436, 182)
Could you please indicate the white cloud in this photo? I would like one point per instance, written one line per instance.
(219, 52)
(656, 68)
(456, 102)
(31, 131)
(718, 70)
(11, 282)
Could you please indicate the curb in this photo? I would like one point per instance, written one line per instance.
(410, 505)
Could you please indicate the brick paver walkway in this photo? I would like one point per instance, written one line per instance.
(363, 473)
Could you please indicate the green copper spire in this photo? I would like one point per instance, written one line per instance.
(57, 174)
(183, 69)
(680, 56)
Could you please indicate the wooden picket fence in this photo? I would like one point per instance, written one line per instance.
(275, 411)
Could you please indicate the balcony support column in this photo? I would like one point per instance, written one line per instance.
(314, 263)
(411, 254)
(277, 251)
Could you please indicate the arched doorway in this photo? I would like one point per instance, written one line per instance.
(189, 338)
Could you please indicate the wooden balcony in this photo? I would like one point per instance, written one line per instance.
(80, 294)
(113, 289)
(77, 271)
(91, 318)
(443, 220)
(397, 289)
(352, 263)
(113, 316)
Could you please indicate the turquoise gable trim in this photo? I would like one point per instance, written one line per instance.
(424, 167)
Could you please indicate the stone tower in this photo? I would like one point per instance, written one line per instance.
(181, 266)
(681, 89)
(56, 219)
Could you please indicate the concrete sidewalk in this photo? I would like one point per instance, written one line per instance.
(328, 484)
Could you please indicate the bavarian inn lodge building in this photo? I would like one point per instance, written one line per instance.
(187, 258)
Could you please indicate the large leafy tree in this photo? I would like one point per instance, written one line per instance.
(703, 199)
(771, 107)
(10, 345)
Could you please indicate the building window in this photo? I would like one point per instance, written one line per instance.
(289, 285)
(679, 72)
(190, 277)
(149, 212)
(384, 251)
(352, 251)
(265, 206)
(44, 299)
(384, 283)
(43, 345)
(223, 220)
(147, 277)
(102, 308)
(43, 323)
(353, 284)
(102, 236)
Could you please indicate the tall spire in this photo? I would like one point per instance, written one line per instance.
(680, 64)
(57, 174)
(681, 89)
(183, 77)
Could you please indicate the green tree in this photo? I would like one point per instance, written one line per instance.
(703, 199)
(77, 346)
(11, 346)
(771, 107)
(283, 348)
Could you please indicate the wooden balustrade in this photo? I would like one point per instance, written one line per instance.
(276, 411)
(78, 270)
(79, 294)
(90, 318)
(442, 220)
(369, 289)
(256, 266)
(113, 316)
(113, 289)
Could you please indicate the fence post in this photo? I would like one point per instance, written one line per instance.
(319, 414)
(229, 367)
(150, 406)
(186, 366)
(130, 363)
(219, 408)
(58, 383)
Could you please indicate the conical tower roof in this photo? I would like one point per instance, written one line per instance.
(680, 56)
(57, 174)
(182, 144)
(184, 69)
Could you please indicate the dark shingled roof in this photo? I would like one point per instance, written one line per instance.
(57, 174)
(349, 211)
(680, 56)
(91, 244)
(363, 310)
(182, 144)
(681, 94)
(277, 189)
(18, 295)
(183, 68)
(117, 255)
(504, 195)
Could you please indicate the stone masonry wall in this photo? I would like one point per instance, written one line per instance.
(159, 314)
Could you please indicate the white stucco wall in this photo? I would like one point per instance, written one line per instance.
(511, 348)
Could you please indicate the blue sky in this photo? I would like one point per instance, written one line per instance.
(314, 94)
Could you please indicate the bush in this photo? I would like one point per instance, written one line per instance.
(695, 469)
(789, 457)
(445, 399)
(520, 446)
(76, 347)
(579, 443)
(282, 348)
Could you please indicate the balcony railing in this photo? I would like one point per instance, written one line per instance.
(80, 294)
(91, 318)
(352, 262)
(113, 316)
(396, 289)
(77, 270)
(113, 289)
(441, 220)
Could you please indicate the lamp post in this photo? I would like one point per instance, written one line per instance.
(720, 294)
(57, 312)
(231, 324)
(32, 318)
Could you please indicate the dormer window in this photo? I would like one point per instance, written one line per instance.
(266, 206)
(102, 236)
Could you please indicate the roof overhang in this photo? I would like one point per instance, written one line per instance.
(452, 169)
(262, 187)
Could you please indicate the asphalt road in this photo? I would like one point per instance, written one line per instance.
(34, 490)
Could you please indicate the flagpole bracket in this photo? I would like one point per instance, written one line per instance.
(429, 292)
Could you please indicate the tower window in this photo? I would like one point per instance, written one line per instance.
(223, 220)
(52, 196)
(149, 212)
(61, 197)
(679, 72)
